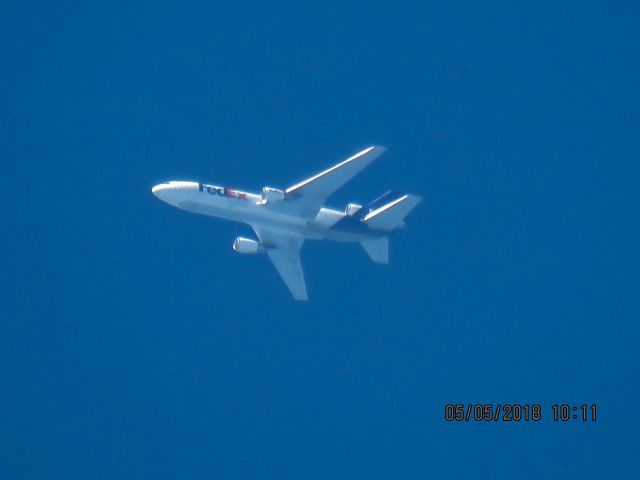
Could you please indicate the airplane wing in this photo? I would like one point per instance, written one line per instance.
(308, 196)
(284, 251)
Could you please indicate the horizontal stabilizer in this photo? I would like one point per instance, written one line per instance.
(377, 203)
(377, 248)
(390, 216)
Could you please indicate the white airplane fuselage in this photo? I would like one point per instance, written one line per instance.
(282, 219)
(246, 207)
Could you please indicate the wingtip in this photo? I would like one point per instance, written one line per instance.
(372, 152)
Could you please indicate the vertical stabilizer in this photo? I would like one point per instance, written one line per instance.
(377, 248)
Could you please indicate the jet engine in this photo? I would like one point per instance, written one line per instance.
(352, 209)
(247, 246)
(269, 194)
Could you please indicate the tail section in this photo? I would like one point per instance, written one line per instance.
(377, 203)
(377, 248)
(389, 216)
(385, 213)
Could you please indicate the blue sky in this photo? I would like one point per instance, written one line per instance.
(135, 344)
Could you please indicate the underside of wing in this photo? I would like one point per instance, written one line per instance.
(308, 196)
(284, 251)
(288, 264)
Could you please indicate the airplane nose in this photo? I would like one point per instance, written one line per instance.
(159, 188)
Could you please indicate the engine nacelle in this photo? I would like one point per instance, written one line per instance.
(247, 246)
(352, 209)
(269, 194)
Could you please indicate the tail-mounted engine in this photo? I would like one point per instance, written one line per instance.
(269, 194)
(352, 209)
(247, 246)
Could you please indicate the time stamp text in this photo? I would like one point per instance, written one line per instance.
(515, 412)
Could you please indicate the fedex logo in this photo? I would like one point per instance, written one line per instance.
(222, 191)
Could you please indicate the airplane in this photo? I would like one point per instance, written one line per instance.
(283, 219)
